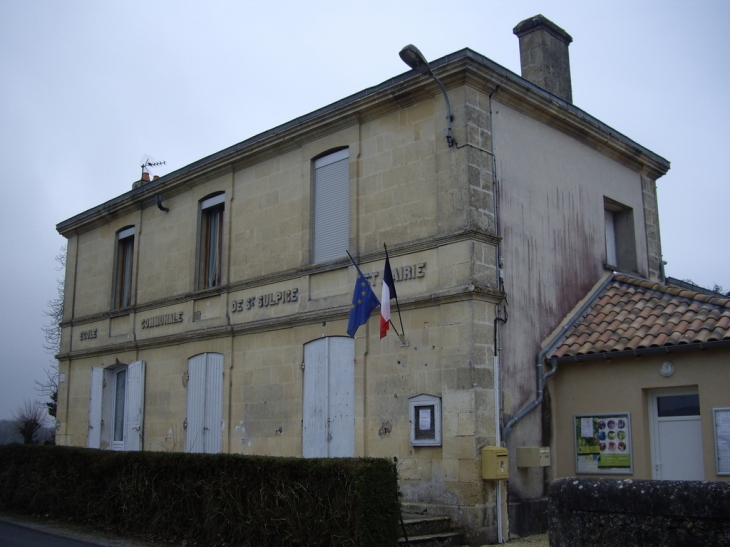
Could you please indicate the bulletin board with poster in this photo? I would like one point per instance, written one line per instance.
(603, 444)
(721, 418)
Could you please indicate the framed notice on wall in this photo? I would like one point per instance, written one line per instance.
(721, 419)
(603, 444)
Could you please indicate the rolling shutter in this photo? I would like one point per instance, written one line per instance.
(331, 211)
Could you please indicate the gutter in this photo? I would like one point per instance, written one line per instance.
(668, 350)
(541, 378)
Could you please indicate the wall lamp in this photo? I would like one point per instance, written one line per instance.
(415, 59)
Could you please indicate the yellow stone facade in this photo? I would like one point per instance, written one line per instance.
(434, 206)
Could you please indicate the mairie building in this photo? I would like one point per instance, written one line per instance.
(206, 310)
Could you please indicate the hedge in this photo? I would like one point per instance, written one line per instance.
(207, 499)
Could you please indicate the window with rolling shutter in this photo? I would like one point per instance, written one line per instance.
(331, 206)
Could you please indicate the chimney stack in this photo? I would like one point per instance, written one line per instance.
(544, 55)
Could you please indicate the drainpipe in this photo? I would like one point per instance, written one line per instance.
(542, 378)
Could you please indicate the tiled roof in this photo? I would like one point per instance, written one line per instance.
(634, 314)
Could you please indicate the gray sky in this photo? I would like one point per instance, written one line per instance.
(89, 87)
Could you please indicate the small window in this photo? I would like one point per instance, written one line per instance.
(678, 405)
(123, 269)
(331, 206)
(211, 241)
(620, 236)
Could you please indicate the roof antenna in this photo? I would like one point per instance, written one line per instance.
(147, 162)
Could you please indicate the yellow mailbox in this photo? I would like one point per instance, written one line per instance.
(495, 464)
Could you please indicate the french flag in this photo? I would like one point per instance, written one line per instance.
(388, 294)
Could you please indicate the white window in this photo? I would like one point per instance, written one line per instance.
(204, 422)
(116, 407)
(210, 245)
(620, 236)
(331, 206)
(123, 268)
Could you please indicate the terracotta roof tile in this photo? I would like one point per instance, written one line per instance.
(632, 313)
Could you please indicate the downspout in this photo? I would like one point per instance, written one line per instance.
(497, 331)
(541, 378)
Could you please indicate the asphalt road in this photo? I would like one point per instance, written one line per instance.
(14, 535)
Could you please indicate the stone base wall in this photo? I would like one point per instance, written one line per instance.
(610, 512)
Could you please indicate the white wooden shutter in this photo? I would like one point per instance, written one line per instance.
(95, 392)
(315, 403)
(341, 397)
(134, 406)
(331, 210)
(196, 404)
(213, 427)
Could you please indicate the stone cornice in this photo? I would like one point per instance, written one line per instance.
(461, 294)
(462, 67)
(292, 274)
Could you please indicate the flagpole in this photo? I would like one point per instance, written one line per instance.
(403, 330)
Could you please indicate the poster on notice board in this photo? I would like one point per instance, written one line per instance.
(603, 444)
(721, 418)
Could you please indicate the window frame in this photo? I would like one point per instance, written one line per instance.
(122, 296)
(620, 236)
(209, 272)
(330, 193)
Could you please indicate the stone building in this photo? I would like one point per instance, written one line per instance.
(207, 310)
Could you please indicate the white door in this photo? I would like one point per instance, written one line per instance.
(204, 422)
(677, 435)
(328, 417)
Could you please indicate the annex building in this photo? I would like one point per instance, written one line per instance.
(207, 310)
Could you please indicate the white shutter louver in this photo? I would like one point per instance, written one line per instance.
(134, 406)
(213, 403)
(196, 404)
(95, 393)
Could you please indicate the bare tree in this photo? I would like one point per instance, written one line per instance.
(29, 418)
(52, 332)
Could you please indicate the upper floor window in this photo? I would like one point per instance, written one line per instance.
(210, 247)
(620, 236)
(123, 268)
(331, 206)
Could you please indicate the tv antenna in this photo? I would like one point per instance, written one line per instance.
(147, 162)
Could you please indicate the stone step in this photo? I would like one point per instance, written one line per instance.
(445, 539)
(417, 525)
(429, 531)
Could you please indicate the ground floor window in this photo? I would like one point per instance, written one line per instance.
(116, 407)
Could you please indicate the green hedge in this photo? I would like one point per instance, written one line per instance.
(209, 499)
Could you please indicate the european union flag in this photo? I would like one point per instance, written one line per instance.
(364, 302)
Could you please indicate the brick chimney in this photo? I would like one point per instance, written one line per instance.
(544, 55)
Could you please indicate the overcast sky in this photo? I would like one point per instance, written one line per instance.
(87, 88)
